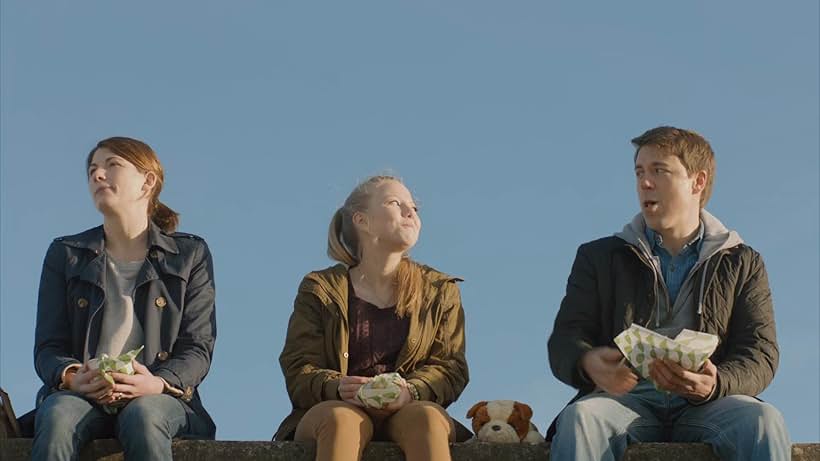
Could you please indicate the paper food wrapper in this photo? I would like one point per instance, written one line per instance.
(641, 346)
(106, 365)
(381, 390)
(122, 364)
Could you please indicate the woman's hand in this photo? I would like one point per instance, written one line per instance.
(379, 414)
(87, 381)
(127, 387)
(349, 386)
(403, 399)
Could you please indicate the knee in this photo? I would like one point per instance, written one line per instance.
(424, 414)
(140, 415)
(336, 415)
(762, 417)
(579, 414)
(59, 411)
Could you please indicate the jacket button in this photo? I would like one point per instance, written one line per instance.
(72, 260)
(162, 356)
(188, 395)
(154, 254)
(82, 303)
(345, 355)
(412, 340)
(160, 302)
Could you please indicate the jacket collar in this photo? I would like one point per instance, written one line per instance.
(716, 236)
(331, 285)
(94, 239)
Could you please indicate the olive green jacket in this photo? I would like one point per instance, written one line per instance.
(315, 355)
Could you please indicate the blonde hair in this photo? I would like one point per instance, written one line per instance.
(343, 245)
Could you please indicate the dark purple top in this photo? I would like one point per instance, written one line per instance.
(376, 337)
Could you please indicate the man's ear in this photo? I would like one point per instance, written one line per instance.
(700, 179)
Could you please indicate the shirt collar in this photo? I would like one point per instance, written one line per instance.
(656, 240)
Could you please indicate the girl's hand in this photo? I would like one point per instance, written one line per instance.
(349, 386)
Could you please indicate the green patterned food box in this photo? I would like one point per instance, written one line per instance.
(120, 364)
(381, 390)
(641, 346)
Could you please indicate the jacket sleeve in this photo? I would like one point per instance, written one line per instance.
(444, 375)
(52, 335)
(752, 353)
(577, 324)
(193, 350)
(303, 360)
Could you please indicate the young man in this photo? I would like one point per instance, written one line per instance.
(674, 266)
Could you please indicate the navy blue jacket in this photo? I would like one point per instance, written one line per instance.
(173, 300)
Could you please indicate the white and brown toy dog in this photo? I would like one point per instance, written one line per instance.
(503, 421)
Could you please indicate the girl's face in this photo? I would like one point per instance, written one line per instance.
(116, 185)
(391, 220)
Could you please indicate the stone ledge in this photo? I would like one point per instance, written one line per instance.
(195, 450)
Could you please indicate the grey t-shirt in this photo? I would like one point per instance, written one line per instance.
(121, 330)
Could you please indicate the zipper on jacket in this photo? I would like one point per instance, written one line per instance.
(88, 327)
(657, 306)
(98, 309)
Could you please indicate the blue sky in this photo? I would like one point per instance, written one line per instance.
(511, 123)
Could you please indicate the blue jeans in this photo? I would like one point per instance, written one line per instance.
(66, 421)
(599, 426)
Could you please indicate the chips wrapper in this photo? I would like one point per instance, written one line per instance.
(121, 364)
(381, 390)
(641, 346)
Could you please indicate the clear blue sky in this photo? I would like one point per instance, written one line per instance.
(511, 123)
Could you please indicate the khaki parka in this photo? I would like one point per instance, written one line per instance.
(315, 355)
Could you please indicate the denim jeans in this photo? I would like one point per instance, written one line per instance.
(599, 426)
(66, 421)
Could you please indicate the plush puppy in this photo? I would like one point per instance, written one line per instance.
(504, 421)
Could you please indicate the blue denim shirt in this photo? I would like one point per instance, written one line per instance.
(675, 268)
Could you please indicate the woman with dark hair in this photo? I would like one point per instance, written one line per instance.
(377, 312)
(131, 283)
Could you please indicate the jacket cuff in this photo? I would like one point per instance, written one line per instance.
(175, 383)
(712, 396)
(424, 391)
(330, 390)
(171, 390)
(582, 375)
(74, 366)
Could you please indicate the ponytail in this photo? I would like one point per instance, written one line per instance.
(164, 217)
(336, 248)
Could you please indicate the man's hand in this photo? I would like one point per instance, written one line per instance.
(127, 387)
(672, 377)
(349, 386)
(605, 367)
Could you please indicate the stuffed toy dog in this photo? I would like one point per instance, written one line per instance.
(503, 421)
